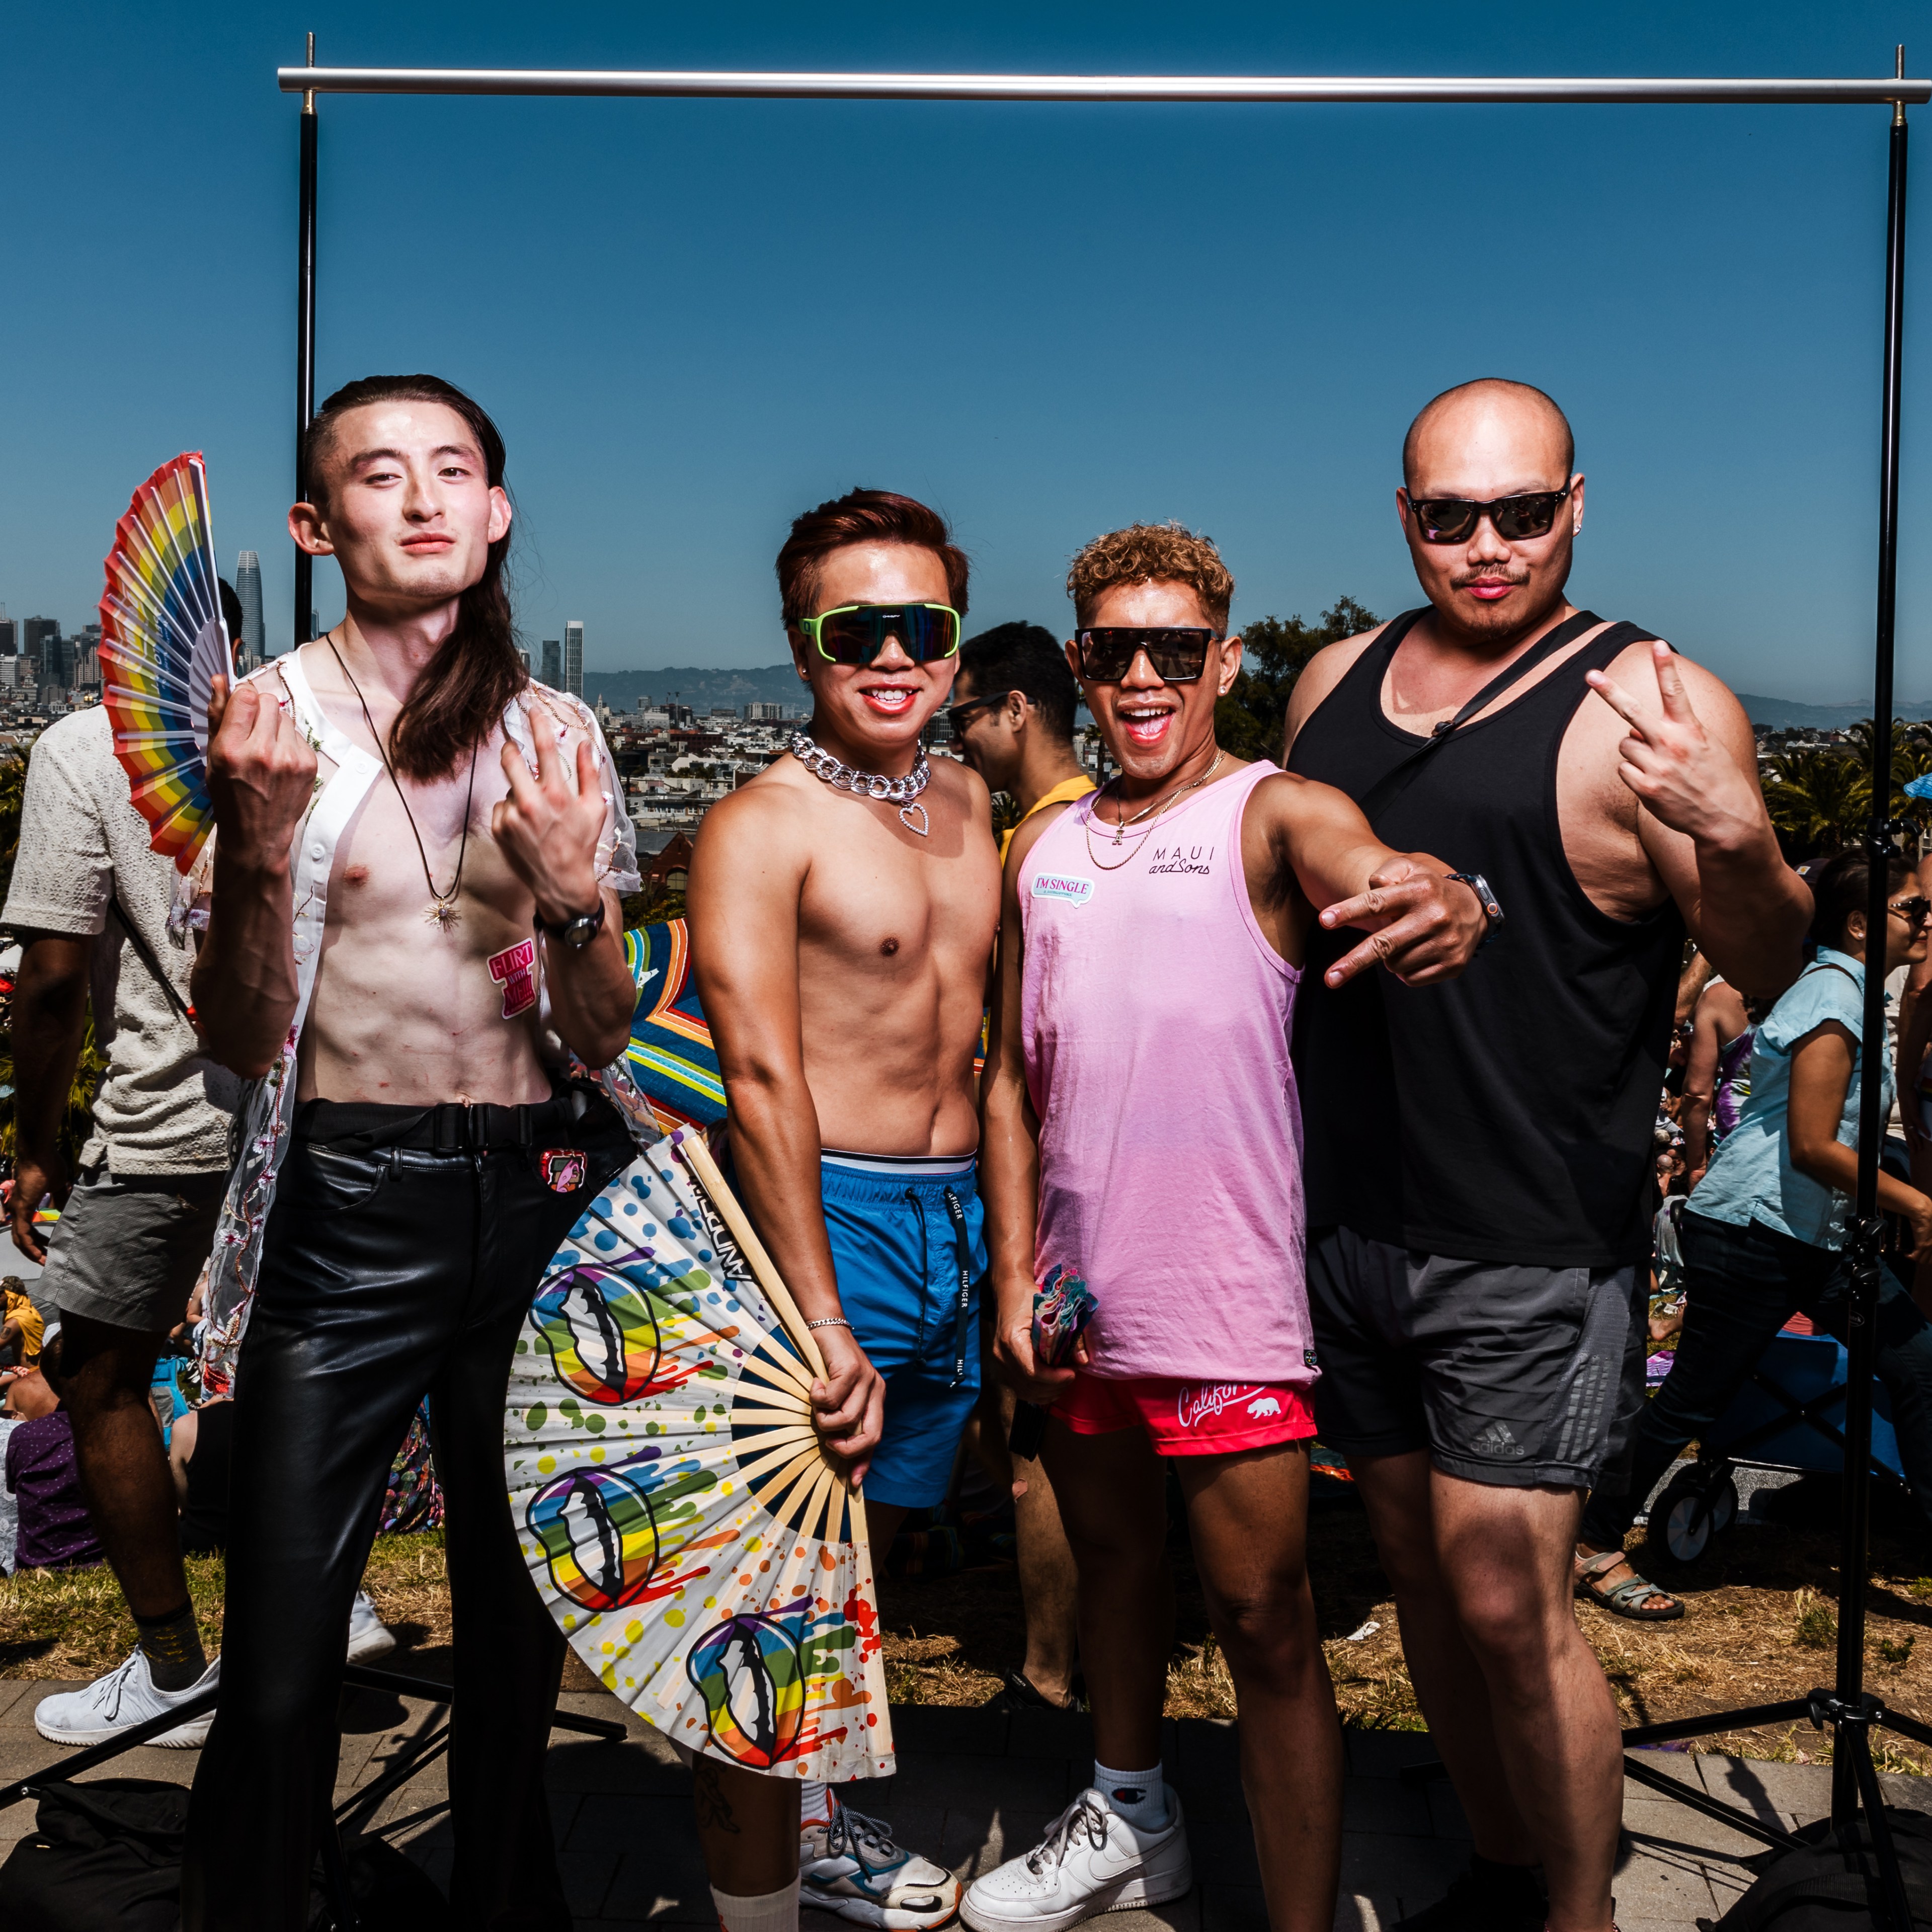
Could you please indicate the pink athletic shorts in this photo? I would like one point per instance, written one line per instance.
(1184, 1418)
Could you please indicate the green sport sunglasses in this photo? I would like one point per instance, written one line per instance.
(855, 633)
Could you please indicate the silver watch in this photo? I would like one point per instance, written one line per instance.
(576, 932)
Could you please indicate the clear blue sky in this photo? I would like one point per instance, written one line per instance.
(694, 319)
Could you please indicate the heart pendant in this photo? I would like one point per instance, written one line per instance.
(925, 825)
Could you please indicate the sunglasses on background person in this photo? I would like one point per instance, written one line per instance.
(855, 633)
(1179, 655)
(1914, 911)
(1448, 520)
(955, 715)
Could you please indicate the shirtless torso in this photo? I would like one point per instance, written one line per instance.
(406, 1011)
(841, 957)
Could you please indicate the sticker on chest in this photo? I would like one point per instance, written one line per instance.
(515, 970)
(1067, 886)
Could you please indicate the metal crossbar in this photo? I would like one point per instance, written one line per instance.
(751, 85)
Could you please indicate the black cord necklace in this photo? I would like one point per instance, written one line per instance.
(441, 911)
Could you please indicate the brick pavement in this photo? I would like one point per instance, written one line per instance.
(630, 1859)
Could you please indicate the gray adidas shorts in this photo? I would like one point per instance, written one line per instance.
(1519, 1377)
(128, 1248)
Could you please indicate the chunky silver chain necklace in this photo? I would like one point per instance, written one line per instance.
(901, 792)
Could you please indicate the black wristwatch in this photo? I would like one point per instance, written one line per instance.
(576, 932)
(1492, 910)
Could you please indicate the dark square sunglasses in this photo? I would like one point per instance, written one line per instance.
(1914, 911)
(1178, 655)
(855, 633)
(1448, 519)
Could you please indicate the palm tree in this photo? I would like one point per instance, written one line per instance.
(1819, 799)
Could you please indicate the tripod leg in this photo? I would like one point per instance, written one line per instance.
(343, 1915)
(1854, 1743)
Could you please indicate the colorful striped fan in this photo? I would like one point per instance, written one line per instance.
(669, 1055)
(163, 643)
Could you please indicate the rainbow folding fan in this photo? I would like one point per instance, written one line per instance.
(163, 643)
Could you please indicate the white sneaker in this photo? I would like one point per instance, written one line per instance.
(101, 1711)
(850, 1866)
(1091, 1861)
(369, 1636)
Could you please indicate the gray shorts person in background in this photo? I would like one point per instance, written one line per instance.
(89, 903)
(1479, 1154)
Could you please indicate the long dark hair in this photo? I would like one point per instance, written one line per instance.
(1841, 885)
(459, 700)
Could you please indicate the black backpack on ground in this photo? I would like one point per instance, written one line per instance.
(1822, 1888)
(108, 1853)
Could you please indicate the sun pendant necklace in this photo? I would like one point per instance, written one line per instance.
(902, 792)
(441, 911)
(1154, 810)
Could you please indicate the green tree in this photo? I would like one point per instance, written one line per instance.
(1818, 799)
(1274, 653)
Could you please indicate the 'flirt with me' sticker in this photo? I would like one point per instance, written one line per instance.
(515, 969)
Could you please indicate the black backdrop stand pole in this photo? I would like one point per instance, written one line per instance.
(305, 347)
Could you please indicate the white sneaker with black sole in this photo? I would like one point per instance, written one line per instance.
(1091, 1861)
(369, 1636)
(100, 1711)
(849, 1865)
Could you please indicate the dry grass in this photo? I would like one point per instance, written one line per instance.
(1761, 1626)
(74, 1623)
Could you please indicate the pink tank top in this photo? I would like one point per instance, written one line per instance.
(1156, 1015)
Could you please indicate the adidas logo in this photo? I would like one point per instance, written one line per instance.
(1496, 1440)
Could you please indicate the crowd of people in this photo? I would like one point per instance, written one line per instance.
(1334, 1080)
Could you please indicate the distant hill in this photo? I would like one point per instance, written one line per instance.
(1781, 714)
(778, 684)
(770, 684)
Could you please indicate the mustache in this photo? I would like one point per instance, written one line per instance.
(1464, 578)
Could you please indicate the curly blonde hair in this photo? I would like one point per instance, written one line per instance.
(1150, 554)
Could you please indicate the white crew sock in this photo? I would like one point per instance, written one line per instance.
(769, 1911)
(1138, 1797)
(814, 1802)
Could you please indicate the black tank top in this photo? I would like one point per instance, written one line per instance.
(1507, 1115)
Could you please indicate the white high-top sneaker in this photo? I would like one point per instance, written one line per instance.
(124, 1698)
(1091, 1861)
(369, 1636)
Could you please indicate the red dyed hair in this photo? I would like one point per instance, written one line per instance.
(863, 516)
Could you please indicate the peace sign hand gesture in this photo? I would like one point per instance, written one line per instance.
(1683, 776)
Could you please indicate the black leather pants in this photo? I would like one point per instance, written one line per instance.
(389, 1269)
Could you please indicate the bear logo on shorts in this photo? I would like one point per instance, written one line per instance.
(1265, 1405)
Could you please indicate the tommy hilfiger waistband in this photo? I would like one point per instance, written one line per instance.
(913, 1166)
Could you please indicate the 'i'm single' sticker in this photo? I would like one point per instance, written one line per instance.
(515, 970)
(1068, 885)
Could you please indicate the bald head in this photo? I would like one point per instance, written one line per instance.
(1495, 417)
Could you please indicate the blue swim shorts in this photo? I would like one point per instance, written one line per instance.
(908, 1246)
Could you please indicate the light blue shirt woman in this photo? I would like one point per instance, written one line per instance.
(1750, 1177)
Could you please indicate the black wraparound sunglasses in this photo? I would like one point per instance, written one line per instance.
(1448, 519)
(1179, 655)
(955, 715)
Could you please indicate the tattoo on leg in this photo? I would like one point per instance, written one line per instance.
(709, 1797)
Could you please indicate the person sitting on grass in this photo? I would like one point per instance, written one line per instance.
(55, 1531)
(1766, 1231)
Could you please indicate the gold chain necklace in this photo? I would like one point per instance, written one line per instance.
(441, 911)
(1127, 824)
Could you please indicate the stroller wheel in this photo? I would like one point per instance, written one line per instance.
(1687, 1515)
